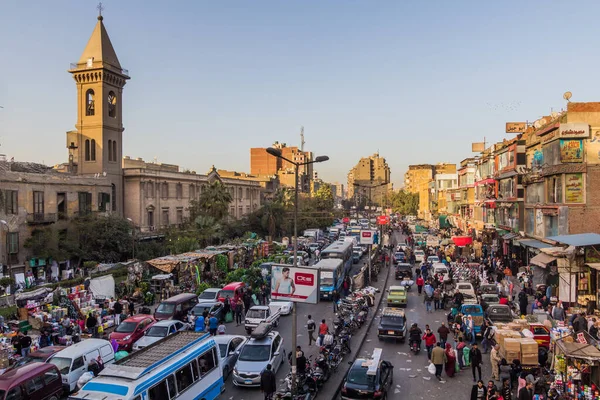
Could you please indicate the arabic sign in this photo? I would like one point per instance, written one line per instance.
(294, 284)
(516, 127)
(574, 130)
(571, 151)
(574, 188)
(592, 149)
(383, 220)
(367, 237)
(581, 338)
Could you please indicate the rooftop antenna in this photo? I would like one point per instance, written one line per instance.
(302, 138)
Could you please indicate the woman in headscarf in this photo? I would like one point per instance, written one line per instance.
(450, 361)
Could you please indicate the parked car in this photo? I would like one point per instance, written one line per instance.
(254, 357)
(284, 307)
(541, 334)
(131, 330)
(443, 271)
(392, 324)
(210, 294)
(368, 378)
(259, 314)
(159, 330)
(489, 299)
(468, 292)
(229, 350)
(231, 289)
(500, 313)
(34, 381)
(214, 307)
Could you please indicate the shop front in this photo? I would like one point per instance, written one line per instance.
(577, 368)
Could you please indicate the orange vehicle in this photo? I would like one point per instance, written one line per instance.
(541, 334)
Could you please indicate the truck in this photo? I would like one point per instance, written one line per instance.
(315, 234)
(260, 314)
(476, 312)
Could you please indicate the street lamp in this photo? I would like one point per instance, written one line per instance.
(132, 237)
(4, 223)
(277, 153)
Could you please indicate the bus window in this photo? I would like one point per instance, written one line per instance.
(206, 362)
(158, 392)
(184, 378)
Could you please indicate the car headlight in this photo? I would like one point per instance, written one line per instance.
(127, 338)
(235, 370)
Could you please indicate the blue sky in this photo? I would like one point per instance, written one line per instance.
(416, 80)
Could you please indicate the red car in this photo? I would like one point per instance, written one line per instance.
(132, 329)
(541, 334)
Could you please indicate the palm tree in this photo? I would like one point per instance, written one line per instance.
(214, 201)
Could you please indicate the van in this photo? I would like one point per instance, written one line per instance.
(231, 289)
(176, 307)
(36, 380)
(73, 361)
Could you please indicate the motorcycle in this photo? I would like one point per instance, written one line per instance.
(321, 370)
(415, 347)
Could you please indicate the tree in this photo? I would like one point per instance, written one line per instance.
(324, 198)
(405, 203)
(207, 229)
(214, 202)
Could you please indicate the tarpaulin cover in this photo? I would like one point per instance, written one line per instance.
(542, 260)
(462, 240)
(103, 287)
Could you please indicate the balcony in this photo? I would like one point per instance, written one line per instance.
(41, 218)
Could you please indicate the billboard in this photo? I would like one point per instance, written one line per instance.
(367, 237)
(516, 127)
(477, 147)
(295, 284)
(571, 151)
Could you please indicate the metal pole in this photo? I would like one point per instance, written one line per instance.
(370, 263)
(294, 316)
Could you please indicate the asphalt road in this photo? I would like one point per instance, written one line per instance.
(318, 311)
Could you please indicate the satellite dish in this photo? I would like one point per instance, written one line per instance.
(567, 96)
(537, 124)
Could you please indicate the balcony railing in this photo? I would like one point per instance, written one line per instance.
(41, 218)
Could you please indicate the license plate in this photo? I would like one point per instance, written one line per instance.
(390, 332)
(248, 382)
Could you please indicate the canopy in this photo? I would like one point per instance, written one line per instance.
(533, 243)
(103, 287)
(595, 266)
(542, 260)
(578, 240)
(571, 347)
(462, 241)
(510, 236)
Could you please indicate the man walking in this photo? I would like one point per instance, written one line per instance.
(428, 297)
(335, 296)
(438, 358)
(311, 326)
(443, 331)
(476, 360)
(117, 311)
(526, 392)
(268, 384)
(323, 330)
(495, 360)
(239, 309)
(523, 303)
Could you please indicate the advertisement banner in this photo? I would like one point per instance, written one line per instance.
(297, 284)
(574, 130)
(367, 237)
(592, 149)
(574, 188)
(516, 127)
(571, 151)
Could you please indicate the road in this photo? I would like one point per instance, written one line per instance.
(319, 311)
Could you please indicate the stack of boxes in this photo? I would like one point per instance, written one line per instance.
(512, 349)
(529, 351)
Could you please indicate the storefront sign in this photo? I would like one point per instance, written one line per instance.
(574, 188)
(581, 338)
(516, 127)
(592, 149)
(571, 151)
(574, 130)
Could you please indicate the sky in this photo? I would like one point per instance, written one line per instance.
(417, 81)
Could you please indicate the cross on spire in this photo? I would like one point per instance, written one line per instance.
(100, 8)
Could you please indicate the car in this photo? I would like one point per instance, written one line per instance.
(159, 330)
(131, 330)
(210, 294)
(466, 288)
(433, 259)
(214, 307)
(229, 350)
(368, 378)
(40, 355)
(488, 288)
(304, 255)
(399, 257)
(490, 299)
(500, 313)
(392, 324)
(254, 357)
(476, 312)
(443, 272)
(396, 296)
(314, 247)
(300, 260)
(419, 256)
(356, 254)
(231, 289)
(284, 307)
(403, 270)
(541, 334)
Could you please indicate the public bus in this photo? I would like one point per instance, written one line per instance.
(331, 276)
(354, 232)
(341, 251)
(182, 366)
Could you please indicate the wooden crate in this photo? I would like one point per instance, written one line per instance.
(512, 345)
(529, 347)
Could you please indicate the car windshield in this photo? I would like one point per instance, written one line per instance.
(255, 353)
(199, 309)
(158, 331)
(255, 314)
(63, 364)
(326, 281)
(397, 292)
(393, 320)
(225, 293)
(165, 308)
(358, 376)
(127, 327)
(464, 287)
(207, 295)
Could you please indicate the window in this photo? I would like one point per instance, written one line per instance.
(232, 211)
(164, 190)
(113, 196)
(85, 203)
(207, 361)
(192, 192)
(165, 216)
(240, 211)
(240, 193)
(194, 365)
(158, 392)
(150, 190)
(179, 215)
(14, 394)
(114, 151)
(551, 153)
(554, 189)
(535, 193)
(247, 209)
(171, 386)
(184, 378)
(12, 239)
(38, 203)
(150, 218)
(89, 103)
(12, 202)
(112, 104)
(87, 149)
(179, 191)
(93, 150)
(247, 193)
(103, 199)
(78, 363)
(61, 205)
(110, 155)
(33, 385)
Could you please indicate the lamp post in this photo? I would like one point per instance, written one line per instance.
(9, 269)
(132, 237)
(277, 153)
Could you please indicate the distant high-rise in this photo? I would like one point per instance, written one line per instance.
(263, 163)
(370, 178)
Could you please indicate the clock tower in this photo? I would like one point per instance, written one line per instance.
(96, 146)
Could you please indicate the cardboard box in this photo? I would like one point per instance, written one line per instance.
(514, 326)
(529, 359)
(511, 355)
(529, 347)
(512, 345)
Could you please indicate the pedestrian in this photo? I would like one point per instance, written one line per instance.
(437, 295)
(117, 311)
(476, 360)
(221, 328)
(347, 286)
(311, 326)
(523, 303)
(460, 352)
(239, 309)
(495, 361)
(438, 358)
(479, 391)
(25, 342)
(430, 341)
(526, 393)
(213, 324)
(200, 323)
(488, 333)
(443, 332)
(335, 297)
(428, 297)
(506, 391)
(131, 307)
(268, 384)
(470, 329)
(558, 312)
(91, 324)
(420, 283)
(450, 361)
(323, 330)
(227, 306)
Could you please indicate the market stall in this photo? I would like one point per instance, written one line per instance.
(577, 366)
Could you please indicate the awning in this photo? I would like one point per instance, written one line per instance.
(578, 240)
(595, 266)
(536, 244)
(510, 236)
(542, 260)
(461, 241)
(488, 181)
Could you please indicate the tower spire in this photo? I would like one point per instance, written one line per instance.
(100, 7)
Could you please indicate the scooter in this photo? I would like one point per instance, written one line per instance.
(415, 347)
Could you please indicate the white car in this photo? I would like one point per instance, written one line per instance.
(209, 295)
(285, 307)
(158, 331)
(229, 349)
(433, 259)
(419, 256)
(468, 292)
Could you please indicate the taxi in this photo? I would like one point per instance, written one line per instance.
(396, 296)
(392, 324)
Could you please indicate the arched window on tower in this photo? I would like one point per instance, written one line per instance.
(87, 150)
(93, 150)
(89, 102)
(110, 155)
(112, 104)
(114, 150)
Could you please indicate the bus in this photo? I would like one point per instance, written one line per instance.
(341, 251)
(182, 366)
(332, 275)
(354, 232)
